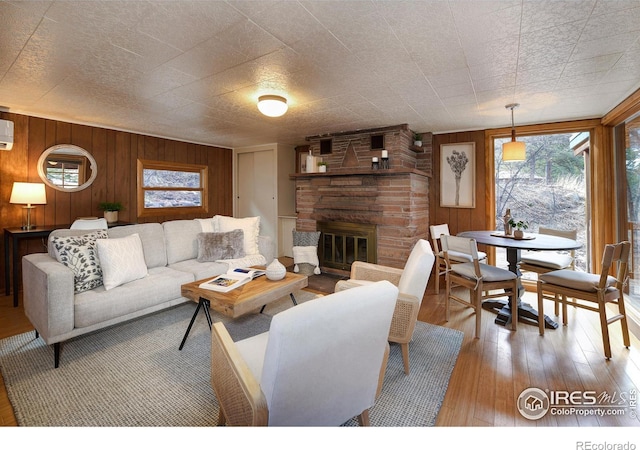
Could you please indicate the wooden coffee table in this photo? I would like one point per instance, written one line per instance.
(247, 298)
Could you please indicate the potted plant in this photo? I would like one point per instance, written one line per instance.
(519, 226)
(110, 210)
(417, 139)
(322, 166)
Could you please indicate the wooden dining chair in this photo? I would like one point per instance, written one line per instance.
(592, 291)
(545, 261)
(482, 280)
(436, 232)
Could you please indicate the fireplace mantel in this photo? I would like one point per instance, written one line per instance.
(360, 172)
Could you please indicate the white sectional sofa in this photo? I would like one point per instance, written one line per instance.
(170, 255)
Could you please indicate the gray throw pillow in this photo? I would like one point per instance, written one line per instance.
(215, 246)
(305, 238)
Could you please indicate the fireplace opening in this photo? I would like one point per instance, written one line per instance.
(342, 243)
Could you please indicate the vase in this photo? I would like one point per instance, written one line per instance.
(322, 169)
(518, 234)
(276, 270)
(111, 216)
(505, 221)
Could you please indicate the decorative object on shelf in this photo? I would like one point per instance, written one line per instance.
(375, 165)
(506, 221)
(514, 150)
(417, 139)
(276, 270)
(28, 194)
(322, 166)
(272, 105)
(384, 159)
(311, 162)
(110, 210)
(519, 226)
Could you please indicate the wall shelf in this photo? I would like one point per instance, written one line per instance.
(359, 172)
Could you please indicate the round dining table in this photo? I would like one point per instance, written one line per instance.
(513, 246)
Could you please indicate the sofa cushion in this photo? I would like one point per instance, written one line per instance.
(79, 254)
(153, 241)
(215, 246)
(249, 225)
(122, 260)
(181, 239)
(200, 270)
(99, 305)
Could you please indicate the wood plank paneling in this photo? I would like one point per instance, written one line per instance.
(459, 219)
(116, 153)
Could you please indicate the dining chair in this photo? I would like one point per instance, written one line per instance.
(541, 262)
(89, 224)
(412, 282)
(436, 232)
(592, 291)
(482, 280)
(320, 364)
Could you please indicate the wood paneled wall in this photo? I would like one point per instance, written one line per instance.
(459, 219)
(116, 153)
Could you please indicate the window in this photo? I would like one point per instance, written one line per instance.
(632, 177)
(548, 189)
(171, 188)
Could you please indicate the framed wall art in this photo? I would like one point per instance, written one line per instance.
(458, 175)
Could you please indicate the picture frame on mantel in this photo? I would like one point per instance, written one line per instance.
(458, 175)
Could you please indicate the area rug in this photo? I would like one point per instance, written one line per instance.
(134, 375)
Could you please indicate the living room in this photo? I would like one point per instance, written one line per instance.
(178, 83)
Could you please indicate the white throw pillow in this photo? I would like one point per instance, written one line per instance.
(121, 259)
(249, 225)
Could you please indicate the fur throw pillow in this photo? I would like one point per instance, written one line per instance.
(216, 246)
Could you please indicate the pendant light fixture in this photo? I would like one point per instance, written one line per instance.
(272, 105)
(514, 150)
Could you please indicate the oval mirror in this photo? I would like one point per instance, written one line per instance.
(67, 168)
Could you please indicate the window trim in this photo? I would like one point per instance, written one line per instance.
(145, 164)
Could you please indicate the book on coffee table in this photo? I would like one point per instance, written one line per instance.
(232, 279)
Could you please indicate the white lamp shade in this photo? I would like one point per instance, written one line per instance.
(514, 151)
(272, 105)
(28, 194)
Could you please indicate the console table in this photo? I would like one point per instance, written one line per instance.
(14, 235)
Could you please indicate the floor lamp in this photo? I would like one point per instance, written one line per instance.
(28, 194)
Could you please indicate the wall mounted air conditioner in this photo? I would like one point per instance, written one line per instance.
(6, 135)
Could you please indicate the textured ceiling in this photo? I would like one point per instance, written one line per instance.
(193, 70)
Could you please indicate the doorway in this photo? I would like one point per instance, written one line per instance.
(256, 189)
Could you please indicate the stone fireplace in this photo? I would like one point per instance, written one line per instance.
(391, 205)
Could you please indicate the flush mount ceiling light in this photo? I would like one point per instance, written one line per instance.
(272, 105)
(514, 150)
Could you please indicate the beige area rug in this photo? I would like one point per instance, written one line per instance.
(134, 375)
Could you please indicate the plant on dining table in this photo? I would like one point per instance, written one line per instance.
(519, 225)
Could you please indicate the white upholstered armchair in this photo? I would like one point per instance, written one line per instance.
(321, 362)
(412, 283)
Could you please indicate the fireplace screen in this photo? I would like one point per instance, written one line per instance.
(343, 243)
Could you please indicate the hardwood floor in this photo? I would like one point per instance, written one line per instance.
(492, 371)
